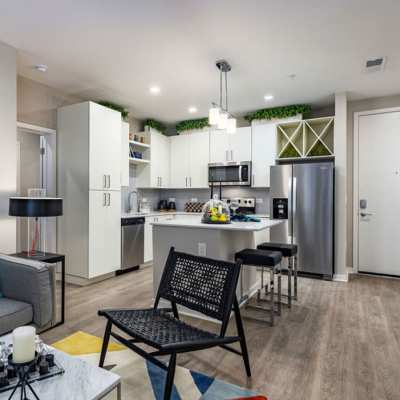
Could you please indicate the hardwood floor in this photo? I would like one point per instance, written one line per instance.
(339, 341)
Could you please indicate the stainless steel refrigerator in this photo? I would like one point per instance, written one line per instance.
(302, 195)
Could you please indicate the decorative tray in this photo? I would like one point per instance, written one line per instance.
(207, 221)
(9, 379)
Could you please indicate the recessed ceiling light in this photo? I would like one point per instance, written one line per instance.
(41, 67)
(268, 97)
(292, 76)
(155, 89)
(192, 109)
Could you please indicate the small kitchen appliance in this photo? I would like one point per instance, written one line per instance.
(230, 173)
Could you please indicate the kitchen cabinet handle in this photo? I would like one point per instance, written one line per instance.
(226, 155)
(104, 199)
(109, 199)
(231, 155)
(190, 181)
(109, 181)
(186, 181)
(254, 180)
(161, 181)
(104, 181)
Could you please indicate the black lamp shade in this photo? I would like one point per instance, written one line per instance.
(35, 207)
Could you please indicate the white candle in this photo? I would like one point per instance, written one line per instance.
(23, 344)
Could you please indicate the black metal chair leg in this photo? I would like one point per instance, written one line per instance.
(104, 347)
(169, 383)
(240, 330)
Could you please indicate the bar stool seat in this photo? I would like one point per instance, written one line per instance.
(259, 257)
(288, 251)
(271, 260)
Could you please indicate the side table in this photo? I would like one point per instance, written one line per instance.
(50, 258)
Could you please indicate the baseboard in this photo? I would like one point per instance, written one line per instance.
(340, 277)
(77, 280)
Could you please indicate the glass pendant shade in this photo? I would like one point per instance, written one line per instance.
(223, 120)
(231, 125)
(213, 116)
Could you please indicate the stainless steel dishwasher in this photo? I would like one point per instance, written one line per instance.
(132, 243)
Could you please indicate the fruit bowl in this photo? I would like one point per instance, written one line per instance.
(216, 212)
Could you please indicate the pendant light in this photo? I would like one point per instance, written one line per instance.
(219, 115)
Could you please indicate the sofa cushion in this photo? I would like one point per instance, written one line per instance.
(14, 313)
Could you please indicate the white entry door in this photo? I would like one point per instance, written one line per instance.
(379, 193)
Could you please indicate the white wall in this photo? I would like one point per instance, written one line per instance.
(8, 144)
(340, 185)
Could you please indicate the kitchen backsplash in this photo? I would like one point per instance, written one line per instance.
(182, 196)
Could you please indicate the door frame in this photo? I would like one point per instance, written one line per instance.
(356, 197)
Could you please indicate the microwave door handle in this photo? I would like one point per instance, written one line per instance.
(240, 173)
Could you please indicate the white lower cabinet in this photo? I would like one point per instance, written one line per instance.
(148, 235)
(104, 232)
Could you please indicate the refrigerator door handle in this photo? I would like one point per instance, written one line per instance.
(290, 209)
(294, 206)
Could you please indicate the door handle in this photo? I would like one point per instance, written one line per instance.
(364, 214)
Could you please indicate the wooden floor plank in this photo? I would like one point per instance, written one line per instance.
(339, 341)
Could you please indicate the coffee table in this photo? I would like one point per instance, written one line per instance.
(81, 381)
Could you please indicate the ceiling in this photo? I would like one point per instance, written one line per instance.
(115, 50)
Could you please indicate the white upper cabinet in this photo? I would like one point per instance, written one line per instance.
(189, 160)
(264, 149)
(219, 146)
(105, 147)
(125, 154)
(233, 147)
(240, 144)
(180, 161)
(156, 173)
(264, 153)
(199, 159)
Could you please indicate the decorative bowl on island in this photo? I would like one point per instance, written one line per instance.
(216, 212)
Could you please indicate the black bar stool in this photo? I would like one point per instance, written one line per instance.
(288, 251)
(270, 260)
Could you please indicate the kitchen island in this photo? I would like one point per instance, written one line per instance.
(188, 234)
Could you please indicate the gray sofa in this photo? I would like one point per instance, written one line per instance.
(27, 293)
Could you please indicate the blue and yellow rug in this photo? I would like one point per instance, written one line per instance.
(141, 380)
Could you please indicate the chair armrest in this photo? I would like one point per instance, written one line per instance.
(31, 282)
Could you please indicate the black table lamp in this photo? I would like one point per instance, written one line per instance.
(35, 208)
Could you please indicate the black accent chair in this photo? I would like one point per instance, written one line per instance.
(201, 284)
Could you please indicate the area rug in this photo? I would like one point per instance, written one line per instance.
(141, 380)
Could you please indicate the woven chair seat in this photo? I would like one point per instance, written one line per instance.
(156, 327)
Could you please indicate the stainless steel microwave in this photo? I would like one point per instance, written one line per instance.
(230, 173)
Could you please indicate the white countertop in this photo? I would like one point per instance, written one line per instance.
(173, 213)
(194, 222)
